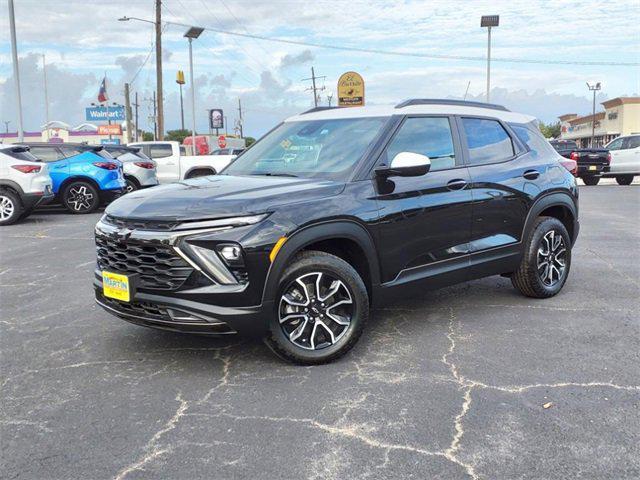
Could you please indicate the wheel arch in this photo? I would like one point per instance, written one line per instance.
(11, 185)
(128, 176)
(346, 239)
(201, 167)
(78, 178)
(559, 205)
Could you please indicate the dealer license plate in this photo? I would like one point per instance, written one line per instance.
(115, 285)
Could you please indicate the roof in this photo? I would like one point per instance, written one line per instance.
(586, 118)
(416, 107)
(614, 102)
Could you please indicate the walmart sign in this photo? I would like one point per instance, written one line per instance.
(104, 113)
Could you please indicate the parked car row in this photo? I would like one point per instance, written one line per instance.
(83, 177)
(619, 159)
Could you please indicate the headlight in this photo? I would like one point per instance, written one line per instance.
(222, 222)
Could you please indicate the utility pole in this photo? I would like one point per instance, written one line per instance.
(315, 89)
(16, 72)
(127, 112)
(240, 115)
(160, 114)
(136, 106)
(6, 125)
(46, 94)
(155, 117)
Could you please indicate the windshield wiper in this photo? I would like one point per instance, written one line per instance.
(271, 174)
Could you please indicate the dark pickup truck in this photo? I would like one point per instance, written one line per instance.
(592, 162)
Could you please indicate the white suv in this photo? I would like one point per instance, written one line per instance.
(625, 159)
(24, 183)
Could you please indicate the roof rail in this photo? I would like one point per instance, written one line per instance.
(461, 103)
(318, 109)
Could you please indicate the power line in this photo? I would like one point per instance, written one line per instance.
(414, 54)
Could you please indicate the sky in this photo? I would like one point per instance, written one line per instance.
(83, 40)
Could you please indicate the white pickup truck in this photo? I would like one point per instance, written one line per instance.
(174, 163)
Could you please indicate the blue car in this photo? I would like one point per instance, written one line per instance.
(82, 180)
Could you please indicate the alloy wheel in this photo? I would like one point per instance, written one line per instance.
(551, 258)
(7, 208)
(315, 310)
(80, 198)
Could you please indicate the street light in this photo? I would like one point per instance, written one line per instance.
(489, 21)
(594, 88)
(193, 32)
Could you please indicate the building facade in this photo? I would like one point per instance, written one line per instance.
(621, 116)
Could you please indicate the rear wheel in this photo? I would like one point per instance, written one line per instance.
(320, 311)
(624, 179)
(132, 185)
(10, 207)
(546, 261)
(81, 197)
(591, 180)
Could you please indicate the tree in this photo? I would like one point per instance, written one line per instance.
(147, 136)
(249, 141)
(177, 135)
(550, 130)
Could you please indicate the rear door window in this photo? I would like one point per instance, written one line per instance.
(487, 140)
(47, 154)
(160, 150)
(616, 144)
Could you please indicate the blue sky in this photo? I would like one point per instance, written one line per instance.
(82, 40)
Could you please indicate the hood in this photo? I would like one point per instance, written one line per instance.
(219, 196)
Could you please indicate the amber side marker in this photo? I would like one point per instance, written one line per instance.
(276, 248)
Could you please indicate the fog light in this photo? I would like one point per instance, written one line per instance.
(231, 253)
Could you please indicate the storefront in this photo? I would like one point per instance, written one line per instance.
(621, 116)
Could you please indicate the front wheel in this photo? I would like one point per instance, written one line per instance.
(624, 179)
(320, 311)
(81, 197)
(544, 267)
(591, 181)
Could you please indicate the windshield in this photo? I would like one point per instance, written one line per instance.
(316, 148)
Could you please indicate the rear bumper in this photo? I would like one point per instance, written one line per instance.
(108, 196)
(593, 169)
(31, 200)
(178, 315)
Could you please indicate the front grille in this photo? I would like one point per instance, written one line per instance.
(157, 225)
(141, 309)
(158, 266)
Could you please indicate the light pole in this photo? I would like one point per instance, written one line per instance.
(180, 81)
(489, 21)
(594, 88)
(16, 72)
(193, 32)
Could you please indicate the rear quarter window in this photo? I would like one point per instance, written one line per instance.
(532, 138)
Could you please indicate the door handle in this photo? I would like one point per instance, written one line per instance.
(531, 174)
(457, 184)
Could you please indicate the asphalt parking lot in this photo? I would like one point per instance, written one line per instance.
(453, 384)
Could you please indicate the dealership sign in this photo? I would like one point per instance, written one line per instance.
(350, 90)
(216, 118)
(115, 129)
(104, 113)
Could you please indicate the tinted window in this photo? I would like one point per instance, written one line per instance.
(47, 154)
(70, 151)
(487, 140)
(430, 136)
(633, 142)
(616, 144)
(160, 150)
(183, 151)
(21, 153)
(532, 138)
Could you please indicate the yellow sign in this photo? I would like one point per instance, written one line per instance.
(351, 90)
(116, 286)
(180, 77)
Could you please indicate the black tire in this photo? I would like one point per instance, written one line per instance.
(591, 181)
(11, 208)
(201, 172)
(26, 212)
(81, 197)
(624, 179)
(351, 292)
(528, 278)
(132, 184)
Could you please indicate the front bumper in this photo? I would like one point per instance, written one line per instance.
(179, 315)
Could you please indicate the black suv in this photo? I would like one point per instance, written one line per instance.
(336, 210)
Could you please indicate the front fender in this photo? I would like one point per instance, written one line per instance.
(346, 229)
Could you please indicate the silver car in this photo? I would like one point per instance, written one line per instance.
(139, 170)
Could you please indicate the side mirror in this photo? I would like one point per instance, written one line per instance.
(406, 164)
